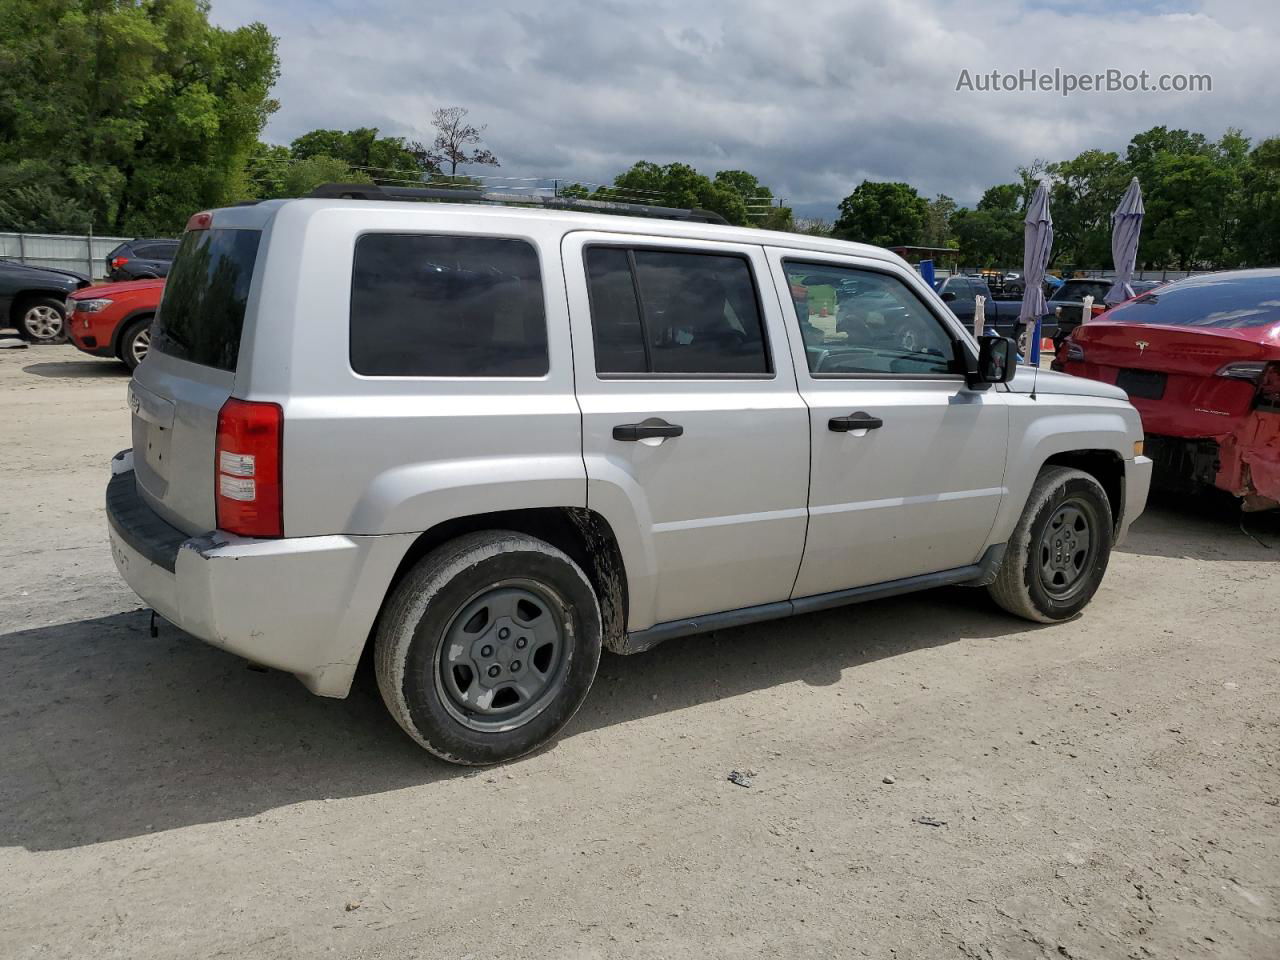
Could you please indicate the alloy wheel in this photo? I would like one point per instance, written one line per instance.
(140, 345)
(42, 322)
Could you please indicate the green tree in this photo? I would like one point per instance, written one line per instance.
(142, 109)
(1084, 194)
(937, 224)
(574, 191)
(991, 235)
(383, 158)
(1185, 205)
(732, 193)
(884, 214)
(303, 176)
(264, 172)
(1259, 206)
(757, 199)
(1188, 221)
(988, 238)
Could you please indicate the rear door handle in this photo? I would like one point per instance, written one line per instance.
(856, 421)
(647, 429)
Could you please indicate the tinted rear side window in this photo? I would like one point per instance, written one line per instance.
(202, 312)
(156, 251)
(1218, 300)
(663, 312)
(431, 306)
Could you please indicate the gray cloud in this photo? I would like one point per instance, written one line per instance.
(813, 97)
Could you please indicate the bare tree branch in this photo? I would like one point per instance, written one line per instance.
(453, 136)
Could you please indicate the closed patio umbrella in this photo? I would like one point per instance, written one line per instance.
(1037, 237)
(1126, 224)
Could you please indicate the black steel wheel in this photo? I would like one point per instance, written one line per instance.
(1059, 550)
(505, 656)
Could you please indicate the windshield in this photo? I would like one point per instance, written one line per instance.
(1225, 301)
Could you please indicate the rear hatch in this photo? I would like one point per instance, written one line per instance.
(190, 371)
(1188, 359)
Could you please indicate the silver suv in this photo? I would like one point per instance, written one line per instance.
(492, 441)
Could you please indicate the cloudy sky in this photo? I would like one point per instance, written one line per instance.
(812, 96)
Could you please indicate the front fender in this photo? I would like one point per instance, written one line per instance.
(1055, 424)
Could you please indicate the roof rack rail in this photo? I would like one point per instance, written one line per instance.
(370, 191)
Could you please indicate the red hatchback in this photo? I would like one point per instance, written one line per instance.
(1200, 359)
(114, 319)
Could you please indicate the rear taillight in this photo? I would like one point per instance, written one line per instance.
(247, 469)
(1244, 370)
(118, 262)
(1268, 395)
(200, 221)
(1098, 309)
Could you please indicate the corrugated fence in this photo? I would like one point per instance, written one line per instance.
(83, 254)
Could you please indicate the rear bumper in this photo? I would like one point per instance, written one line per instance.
(1244, 463)
(304, 605)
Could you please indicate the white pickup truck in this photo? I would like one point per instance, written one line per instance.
(491, 441)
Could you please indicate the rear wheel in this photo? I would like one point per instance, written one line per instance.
(41, 319)
(488, 646)
(135, 342)
(1059, 550)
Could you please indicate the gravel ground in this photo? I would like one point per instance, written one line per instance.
(1102, 788)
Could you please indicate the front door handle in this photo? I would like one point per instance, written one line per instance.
(856, 421)
(652, 428)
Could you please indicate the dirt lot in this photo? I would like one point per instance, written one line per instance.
(1105, 788)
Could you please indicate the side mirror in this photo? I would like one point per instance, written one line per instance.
(949, 296)
(997, 360)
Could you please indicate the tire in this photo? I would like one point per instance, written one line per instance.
(451, 646)
(1050, 573)
(135, 342)
(42, 319)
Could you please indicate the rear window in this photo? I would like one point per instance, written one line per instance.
(156, 251)
(1218, 300)
(434, 306)
(675, 313)
(201, 314)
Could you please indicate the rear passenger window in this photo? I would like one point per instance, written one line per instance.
(431, 306)
(665, 312)
(156, 251)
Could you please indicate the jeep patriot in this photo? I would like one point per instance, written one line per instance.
(491, 441)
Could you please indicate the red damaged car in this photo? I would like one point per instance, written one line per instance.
(1200, 359)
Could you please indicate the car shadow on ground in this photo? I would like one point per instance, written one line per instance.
(108, 733)
(1207, 527)
(78, 369)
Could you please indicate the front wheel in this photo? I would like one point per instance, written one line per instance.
(1059, 550)
(488, 646)
(41, 320)
(135, 343)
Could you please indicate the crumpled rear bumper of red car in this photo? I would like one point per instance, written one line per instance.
(1249, 461)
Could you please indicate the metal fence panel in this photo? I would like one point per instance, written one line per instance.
(83, 254)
